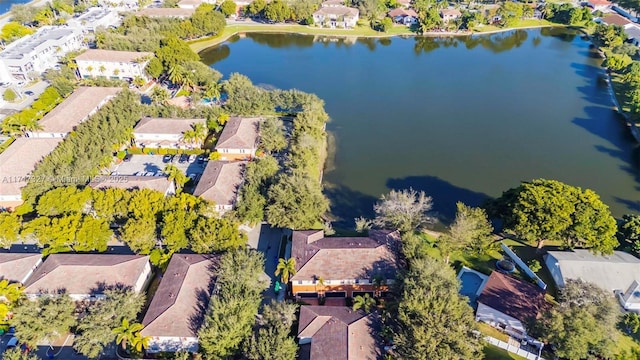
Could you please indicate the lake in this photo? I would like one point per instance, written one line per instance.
(5, 5)
(461, 118)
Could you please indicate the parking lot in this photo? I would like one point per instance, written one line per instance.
(153, 165)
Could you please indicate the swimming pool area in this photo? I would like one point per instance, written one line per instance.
(472, 283)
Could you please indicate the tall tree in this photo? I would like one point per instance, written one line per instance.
(212, 234)
(272, 137)
(296, 201)
(272, 340)
(140, 234)
(9, 296)
(405, 210)
(176, 175)
(127, 332)
(470, 231)
(17, 354)
(433, 320)
(285, 269)
(583, 325)
(542, 210)
(366, 302)
(10, 224)
(45, 319)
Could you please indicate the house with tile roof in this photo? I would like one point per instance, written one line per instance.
(404, 16)
(601, 5)
(348, 266)
(165, 132)
(450, 14)
(220, 183)
(508, 303)
(16, 164)
(86, 276)
(334, 14)
(116, 65)
(178, 307)
(18, 267)
(338, 332)
(239, 139)
(618, 273)
(130, 182)
(78, 107)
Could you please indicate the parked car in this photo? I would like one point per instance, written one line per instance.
(167, 158)
(183, 158)
(127, 158)
(13, 342)
(28, 93)
(201, 159)
(192, 159)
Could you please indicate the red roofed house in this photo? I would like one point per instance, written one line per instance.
(601, 5)
(348, 266)
(337, 332)
(507, 303)
(404, 16)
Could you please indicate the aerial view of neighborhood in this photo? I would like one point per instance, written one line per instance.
(320, 180)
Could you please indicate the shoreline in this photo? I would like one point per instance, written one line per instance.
(200, 45)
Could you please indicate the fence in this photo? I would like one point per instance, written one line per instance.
(523, 266)
(513, 349)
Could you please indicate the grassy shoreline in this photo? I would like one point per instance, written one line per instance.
(199, 45)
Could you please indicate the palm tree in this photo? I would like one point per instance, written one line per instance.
(176, 175)
(365, 302)
(140, 342)
(320, 285)
(139, 81)
(127, 332)
(213, 91)
(116, 72)
(378, 281)
(176, 74)
(102, 69)
(90, 69)
(286, 269)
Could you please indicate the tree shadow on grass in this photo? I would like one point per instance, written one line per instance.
(444, 194)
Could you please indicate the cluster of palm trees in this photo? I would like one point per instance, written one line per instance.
(185, 78)
(196, 135)
(129, 334)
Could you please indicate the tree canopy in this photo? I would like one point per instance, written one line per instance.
(273, 339)
(471, 231)
(405, 210)
(47, 318)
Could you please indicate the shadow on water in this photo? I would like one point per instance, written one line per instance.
(444, 194)
(215, 54)
(347, 204)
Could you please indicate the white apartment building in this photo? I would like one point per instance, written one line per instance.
(38, 52)
(124, 65)
(95, 18)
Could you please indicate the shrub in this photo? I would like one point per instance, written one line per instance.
(9, 95)
(135, 151)
(121, 154)
(214, 156)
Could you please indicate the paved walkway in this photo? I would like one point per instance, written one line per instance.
(267, 240)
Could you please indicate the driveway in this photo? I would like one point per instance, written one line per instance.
(37, 89)
(267, 240)
(154, 164)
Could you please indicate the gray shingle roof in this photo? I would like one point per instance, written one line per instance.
(16, 266)
(239, 133)
(220, 182)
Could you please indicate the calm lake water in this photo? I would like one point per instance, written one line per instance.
(5, 5)
(462, 119)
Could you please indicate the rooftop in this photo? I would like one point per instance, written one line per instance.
(112, 56)
(157, 183)
(599, 2)
(76, 108)
(337, 11)
(348, 258)
(615, 19)
(165, 125)
(84, 274)
(337, 332)
(93, 14)
(166, 12)
(239, 133)
(450, 12)
(402, 12)
(20, 159)
(518, 299)
(15, 267)
(612, 272)
(633, 32)
(220, 181)
(179, 305)
(24, 47)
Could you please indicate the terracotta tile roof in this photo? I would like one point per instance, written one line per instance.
(344, 258)
(20, 159)
(112, 55)
(600, 2)
(221, 181)
(402, 12)
(615, 19)
(450, 12)
(180, 303)
(166, 12)
(85, 273)
(337, 10)
(337, 332)
(518, 299)
(76, 108)
(157, 183)
(151, 125)
(15, 267)
(239, 133)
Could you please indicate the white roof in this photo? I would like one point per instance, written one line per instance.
(612, 272)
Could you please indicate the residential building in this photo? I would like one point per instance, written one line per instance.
(507, 303)
(157, 183)
(120, 5)
(334, 14)
(16, 164)
(615, 19)
(338, 332)
(78, 107)
(193, 4)
(348, 266)
(617, 274)
(601, 5)
(86, 276)
(220, 183)
(179, 13)
(239, 139)
(178, 307)
(18, 267)
(165, 133)
(633, 34)
(404, 16)
(96, 18)
(117, 65)
(38, 52)
(450, 14)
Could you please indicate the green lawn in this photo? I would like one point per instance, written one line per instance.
(489, 330)
(620, 90)
(518, 25)
(495, 353)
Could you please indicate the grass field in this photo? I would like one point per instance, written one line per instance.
(495, 353)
